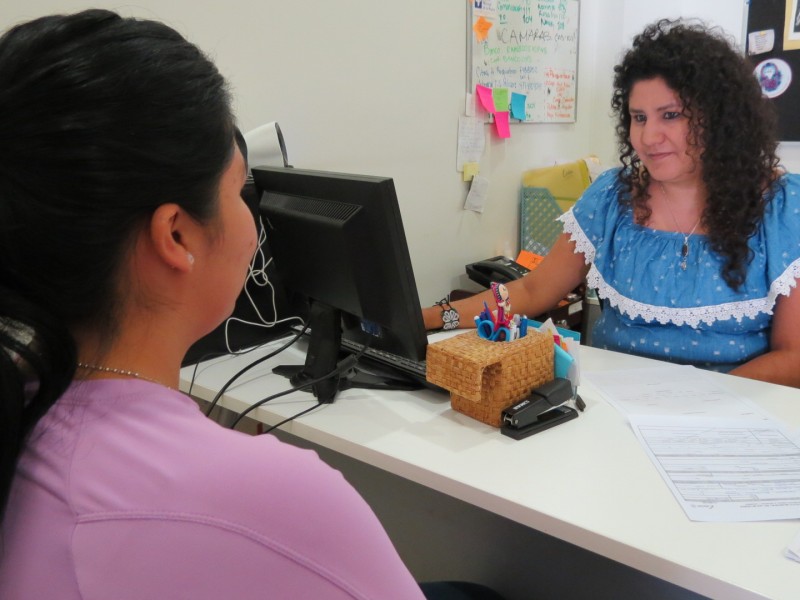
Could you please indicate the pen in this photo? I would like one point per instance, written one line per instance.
(486, 314)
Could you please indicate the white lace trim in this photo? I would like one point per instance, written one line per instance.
(679, 316)
(582, 243)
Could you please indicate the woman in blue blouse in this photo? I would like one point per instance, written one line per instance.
(694, 242)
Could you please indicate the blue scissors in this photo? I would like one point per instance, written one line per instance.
(487, 331)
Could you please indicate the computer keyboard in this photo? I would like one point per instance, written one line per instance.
(414, 367)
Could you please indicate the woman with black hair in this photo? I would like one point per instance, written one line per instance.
(123, 240)
(694, 243)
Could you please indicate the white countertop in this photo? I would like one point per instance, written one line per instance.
(587, 482)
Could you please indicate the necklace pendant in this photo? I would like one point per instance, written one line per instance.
(684, 253)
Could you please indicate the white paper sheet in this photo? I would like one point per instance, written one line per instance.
(725, 469)
(793, 549)
(478, 193)
(671, 390)
(471, 141)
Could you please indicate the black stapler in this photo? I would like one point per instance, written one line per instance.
(541, 410)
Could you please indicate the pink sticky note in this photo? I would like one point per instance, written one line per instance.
(485, 96)
(501, 122)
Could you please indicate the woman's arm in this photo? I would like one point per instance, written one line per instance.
(782, 363)
(561, 271)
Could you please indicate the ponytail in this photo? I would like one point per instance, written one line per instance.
(37, 362)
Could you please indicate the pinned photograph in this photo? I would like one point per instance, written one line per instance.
(774, 75)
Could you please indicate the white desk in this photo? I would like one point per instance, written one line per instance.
(587, 482)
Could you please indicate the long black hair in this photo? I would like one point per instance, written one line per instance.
(731, 122)
(102, 119)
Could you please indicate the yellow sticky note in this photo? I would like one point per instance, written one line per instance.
(470, 170)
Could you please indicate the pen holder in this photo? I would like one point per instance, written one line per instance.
(484, 377)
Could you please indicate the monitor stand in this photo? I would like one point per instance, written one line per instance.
(323, 357)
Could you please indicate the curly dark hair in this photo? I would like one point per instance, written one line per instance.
(730, 122)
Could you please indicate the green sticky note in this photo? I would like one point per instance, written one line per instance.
(500, 96)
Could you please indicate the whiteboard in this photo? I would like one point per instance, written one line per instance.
(530, 48)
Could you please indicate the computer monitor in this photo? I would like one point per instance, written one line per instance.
(338, 240)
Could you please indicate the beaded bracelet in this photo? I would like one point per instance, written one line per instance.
(449, 314)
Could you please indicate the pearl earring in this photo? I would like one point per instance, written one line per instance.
(190, 258)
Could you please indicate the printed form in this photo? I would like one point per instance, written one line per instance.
(721, 456)
(719, 470)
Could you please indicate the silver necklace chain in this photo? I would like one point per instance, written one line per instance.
(686, 236)
(115, 371)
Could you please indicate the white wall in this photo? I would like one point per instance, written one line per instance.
(727, 14)
(376, 87)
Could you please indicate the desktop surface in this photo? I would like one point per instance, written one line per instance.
(587, 482)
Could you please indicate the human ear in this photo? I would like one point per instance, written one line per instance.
(170, 233)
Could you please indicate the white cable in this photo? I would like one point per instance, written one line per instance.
(260, 278)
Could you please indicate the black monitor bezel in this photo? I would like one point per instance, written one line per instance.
(405, 333)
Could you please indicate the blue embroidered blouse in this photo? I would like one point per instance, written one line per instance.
(652, 307)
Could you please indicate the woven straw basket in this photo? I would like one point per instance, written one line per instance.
(485, 377)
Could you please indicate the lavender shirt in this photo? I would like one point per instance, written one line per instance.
(125, 490)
